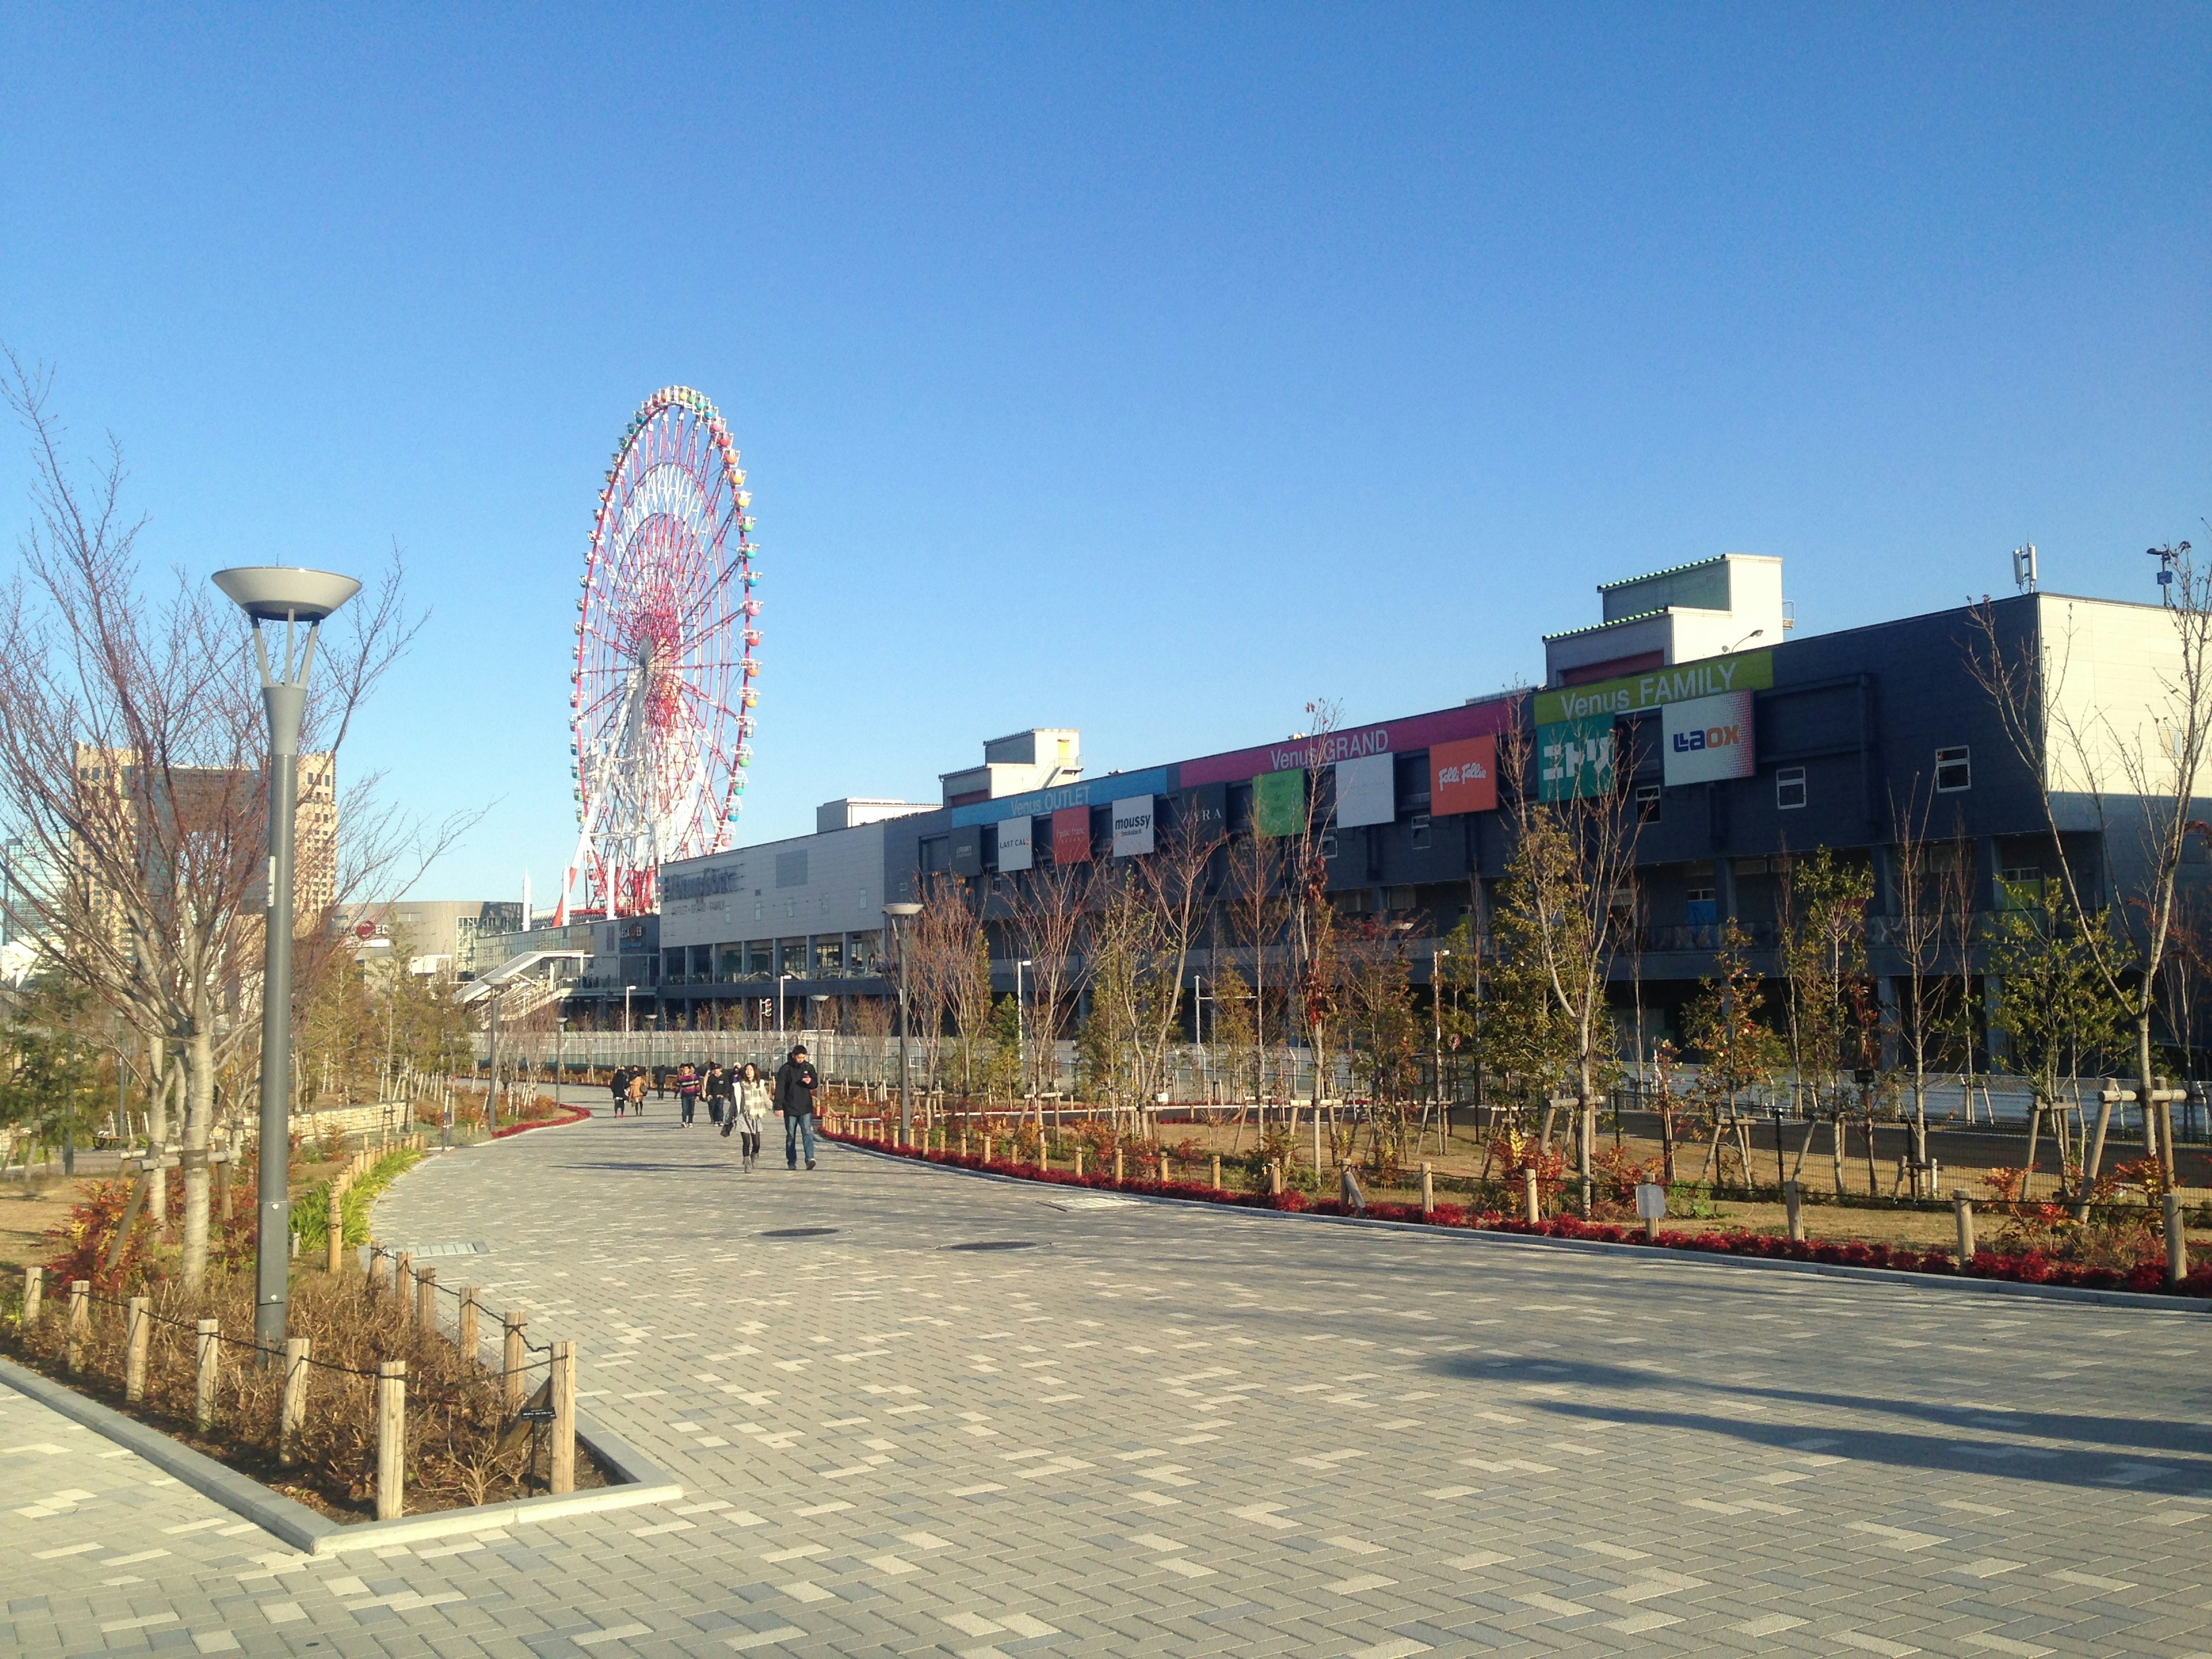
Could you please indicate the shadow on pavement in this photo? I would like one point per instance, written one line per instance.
(1960, 1452)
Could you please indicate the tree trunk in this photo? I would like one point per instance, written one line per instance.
(157, 1128)
(199, 1112)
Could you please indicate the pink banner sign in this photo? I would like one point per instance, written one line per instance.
(1391, 737)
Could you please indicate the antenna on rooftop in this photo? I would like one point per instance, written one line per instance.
(2023, 568)
(2167, 557)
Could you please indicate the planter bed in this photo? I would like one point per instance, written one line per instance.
(627, 1479)
(2146, 1280)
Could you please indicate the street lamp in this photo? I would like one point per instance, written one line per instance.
(894, 913)
(780, 980)
(297, 598)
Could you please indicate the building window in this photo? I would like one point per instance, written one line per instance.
(1420, 831)
(1790, 787)
(1647, 803)
(1954, 771)
(1701, 907)
(1329, 843)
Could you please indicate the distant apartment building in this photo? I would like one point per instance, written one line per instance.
(183, 816)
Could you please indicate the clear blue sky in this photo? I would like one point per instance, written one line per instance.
(1150, 370)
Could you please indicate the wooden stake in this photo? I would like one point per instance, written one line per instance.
(80, 1320)
(465, 1337)
(291, 1414)
(1274, 1177)
(390, 1439)
(1793, 1203)
(1963, 1207)
(335, 1250)
(2177, 1239)
(561, 1474)
(34, 1293)
(403, 1285)
(1428, 1190)
(1079, 1158)
(138, 1333)
(1117, 1166)
(1531, 1200)
(426, 1300)
(511, 1360)
(1217, 1172)
(210, 1358)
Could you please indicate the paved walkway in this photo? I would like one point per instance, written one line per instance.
(1157, 1428)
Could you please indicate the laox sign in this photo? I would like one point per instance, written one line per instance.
(1713, 737)
(1708, 739)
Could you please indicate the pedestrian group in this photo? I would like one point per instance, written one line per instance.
(739, 1101)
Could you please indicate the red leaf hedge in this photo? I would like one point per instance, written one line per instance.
(2032, 1269)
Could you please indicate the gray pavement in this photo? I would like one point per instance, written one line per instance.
(1174, 1429)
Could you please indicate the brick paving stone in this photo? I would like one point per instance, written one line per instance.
(1170, 1430)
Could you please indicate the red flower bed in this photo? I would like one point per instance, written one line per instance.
(568, 1115)
(2032, 1269)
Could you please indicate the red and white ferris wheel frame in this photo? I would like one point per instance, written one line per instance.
(661, 706)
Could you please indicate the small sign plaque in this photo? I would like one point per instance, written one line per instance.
(534, 1414)
(1650, 1202)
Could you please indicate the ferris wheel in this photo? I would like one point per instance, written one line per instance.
(661, 709)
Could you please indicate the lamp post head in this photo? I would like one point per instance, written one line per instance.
(901, 912)
(275, 592)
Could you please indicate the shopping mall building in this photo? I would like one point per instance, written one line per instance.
(1743, 743)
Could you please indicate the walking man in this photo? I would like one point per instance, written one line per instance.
(796, 1080)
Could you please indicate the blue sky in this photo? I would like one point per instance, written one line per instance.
(1152, 370)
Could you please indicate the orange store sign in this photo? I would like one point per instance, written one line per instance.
(1463, 777)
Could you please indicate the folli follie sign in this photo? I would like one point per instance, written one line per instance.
(1463, 777)
(1071, 836)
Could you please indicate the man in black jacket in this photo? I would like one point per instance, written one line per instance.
(796, 1080)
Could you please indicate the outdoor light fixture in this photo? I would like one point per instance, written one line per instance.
(300, 599)
(894, 913)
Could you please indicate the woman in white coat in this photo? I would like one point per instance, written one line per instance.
(749, 1110)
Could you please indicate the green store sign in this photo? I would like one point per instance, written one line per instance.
(1753, 670)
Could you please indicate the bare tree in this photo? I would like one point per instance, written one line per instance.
(2092, 749)
(131, 754)
(1176, 882)
(1557, 917)
(1048, 910)
(1254, 907)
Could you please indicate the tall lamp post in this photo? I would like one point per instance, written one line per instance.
(895, 914)
(300, 599)
(780, 980)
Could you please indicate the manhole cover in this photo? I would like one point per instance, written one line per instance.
(998, 1244)
(799, 1232)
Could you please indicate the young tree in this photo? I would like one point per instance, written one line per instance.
(1255, 909)
(1386, 1038)
(1175, 884)
(2136, 764)
(1557, 924)
(1049, 914)
(1739, 1050)
(131, 745)
(1917, 933)
(2056, 1006)
(1824, 966)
